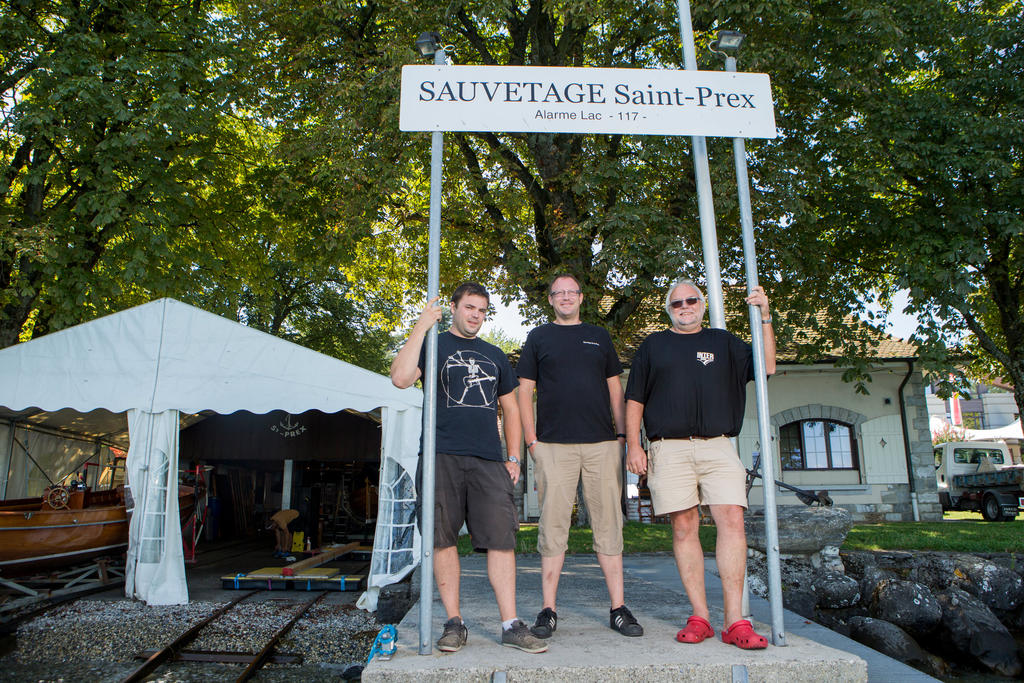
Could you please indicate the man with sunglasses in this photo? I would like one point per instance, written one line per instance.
(687, 386)
(575, 371)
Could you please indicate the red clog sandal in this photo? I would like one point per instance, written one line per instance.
(696, 630)
(741, 634)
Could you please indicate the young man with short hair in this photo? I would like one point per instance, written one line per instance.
(473, 482)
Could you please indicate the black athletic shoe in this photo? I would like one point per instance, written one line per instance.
(547, 622)
(622, 620)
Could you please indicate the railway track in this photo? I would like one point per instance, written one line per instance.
(176, 648)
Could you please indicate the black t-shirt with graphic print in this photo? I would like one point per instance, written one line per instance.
(571, 365)
(691, 384)
(472, 374)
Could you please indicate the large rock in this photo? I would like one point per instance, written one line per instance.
(909, 605)
(891, 640)
(934, 571)
(870, 580)
(972, 630)
(802, 530)
(800, 600)
(1000, 588)
(858, 561)
(836, 591)
(837, 619)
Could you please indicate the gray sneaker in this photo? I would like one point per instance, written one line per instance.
(519, 636)
(454, 636)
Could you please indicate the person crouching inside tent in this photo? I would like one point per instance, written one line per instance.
(284, 523)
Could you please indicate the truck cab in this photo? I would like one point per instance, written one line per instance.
(976, 475)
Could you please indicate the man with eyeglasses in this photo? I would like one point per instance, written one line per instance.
(687, 385)
(474, 481)
(575, 371)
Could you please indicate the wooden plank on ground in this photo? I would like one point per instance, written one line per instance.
(267, 573)
(317, 573)
(322, 558)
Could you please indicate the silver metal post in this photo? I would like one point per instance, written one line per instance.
(702, 174)
(430, 392)
(761, 388)
(8, 460)
(286, 486)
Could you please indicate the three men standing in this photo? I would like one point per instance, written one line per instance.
(575, 371)
(688, 387)
(473, 483)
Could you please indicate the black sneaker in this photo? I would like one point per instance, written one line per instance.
(623, 621)
(454, 636)
(547, 622)
(519, 636)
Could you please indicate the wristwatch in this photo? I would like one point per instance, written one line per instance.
(513, 459)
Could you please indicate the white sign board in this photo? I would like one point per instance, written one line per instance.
(576, 100)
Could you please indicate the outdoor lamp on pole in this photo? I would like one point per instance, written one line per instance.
(429, 45)
(727, 45)
(727, 41)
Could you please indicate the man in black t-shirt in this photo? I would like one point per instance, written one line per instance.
(575, 370)
(473, 480)
(687, 385)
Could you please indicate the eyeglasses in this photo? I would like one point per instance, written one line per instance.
(689, 301)
(565, 292)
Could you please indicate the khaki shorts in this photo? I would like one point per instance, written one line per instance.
(682, 473)
(559, 468)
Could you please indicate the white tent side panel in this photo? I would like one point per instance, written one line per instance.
(155, 567)
(396, 541)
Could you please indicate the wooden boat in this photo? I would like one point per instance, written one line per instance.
(66, 526)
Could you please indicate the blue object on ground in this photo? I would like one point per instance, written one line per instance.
(385, 644)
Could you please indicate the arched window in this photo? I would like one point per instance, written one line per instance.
(818, 445)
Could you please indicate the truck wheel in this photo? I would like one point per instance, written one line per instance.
(990, 509)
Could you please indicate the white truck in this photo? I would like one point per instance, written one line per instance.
(979, 476)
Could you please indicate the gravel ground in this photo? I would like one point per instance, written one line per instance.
(99, 641)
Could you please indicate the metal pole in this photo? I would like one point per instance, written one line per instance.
(761, 387)
(430, 392)
(9, 452)
(702, 174)
(286, 485)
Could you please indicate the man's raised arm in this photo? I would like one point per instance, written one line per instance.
(405, 367)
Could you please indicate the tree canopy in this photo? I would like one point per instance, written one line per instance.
(246, 156)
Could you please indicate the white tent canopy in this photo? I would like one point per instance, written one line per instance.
(165, 357)
(1011, 431)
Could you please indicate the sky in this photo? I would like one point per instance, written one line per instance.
(508, 319)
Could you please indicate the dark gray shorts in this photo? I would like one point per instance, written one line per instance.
(473, 491)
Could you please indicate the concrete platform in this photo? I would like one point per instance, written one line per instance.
(584, 648)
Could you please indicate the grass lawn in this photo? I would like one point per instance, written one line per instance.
(958, 532)
(636, 538)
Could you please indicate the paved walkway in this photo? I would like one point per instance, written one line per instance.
(586, 649)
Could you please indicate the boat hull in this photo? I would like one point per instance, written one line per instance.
(35, 537)
(31, 540)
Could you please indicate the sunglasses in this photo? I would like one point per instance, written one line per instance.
(689, 301)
